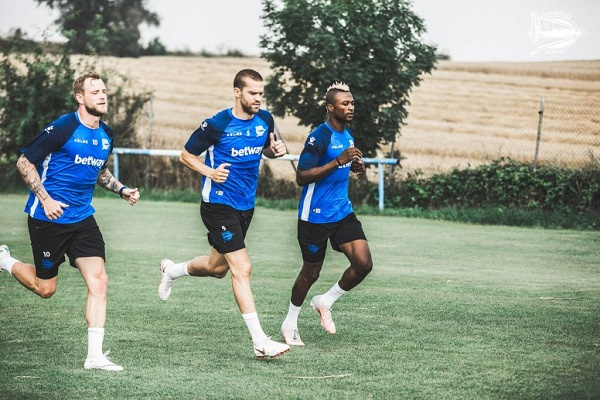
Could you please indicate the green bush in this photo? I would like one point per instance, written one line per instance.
(35, 88)
(504, 183)
(505, 192)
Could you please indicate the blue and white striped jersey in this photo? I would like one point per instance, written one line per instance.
(326, 200)
(68, 156)
(239, 142)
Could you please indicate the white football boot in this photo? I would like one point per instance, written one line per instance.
(101, 362)
(325, 313)
(270, 348)
(166, 283)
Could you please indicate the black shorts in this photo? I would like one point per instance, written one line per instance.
(226, 226)
(50, 242)
(312, 238)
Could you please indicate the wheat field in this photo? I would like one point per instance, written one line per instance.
(461, 114)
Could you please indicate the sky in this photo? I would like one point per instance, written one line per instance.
(466, 30)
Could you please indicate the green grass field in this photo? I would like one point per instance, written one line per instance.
(451, 311)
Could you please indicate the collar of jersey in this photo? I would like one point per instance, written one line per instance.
(239, 119)
(333, 130)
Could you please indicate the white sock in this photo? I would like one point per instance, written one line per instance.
(332, 295)
(253, 324)
(7, 262)
(292, 317)
(178, 270)
(95, 339)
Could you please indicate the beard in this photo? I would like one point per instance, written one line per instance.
(247, 108)
(94, 111)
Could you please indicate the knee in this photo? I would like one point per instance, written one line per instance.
(364, 267)
(312, 276)
(220, 273)
(99, 285)
(44, 288)
(46, 293)
(243, 271)
(311, 272)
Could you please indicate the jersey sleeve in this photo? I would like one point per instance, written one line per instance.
(314, 147)
(51, 139)
(205, 136)
(268, 118)
(111, 135)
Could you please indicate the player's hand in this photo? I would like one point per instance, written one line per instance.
(53, 208)
(131, 195)
(349, 155)
(220, 174)
(277, 146)
(358, 166)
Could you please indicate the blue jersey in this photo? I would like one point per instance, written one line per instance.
(239, 142)
(68, 156)
(326, 200)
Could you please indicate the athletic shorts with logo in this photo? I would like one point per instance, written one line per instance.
(312, 238)
(226, 226)
(51, 241)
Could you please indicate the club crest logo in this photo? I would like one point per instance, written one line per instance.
(553, 32)
(260, 130)
(226, 235)
(105, 144)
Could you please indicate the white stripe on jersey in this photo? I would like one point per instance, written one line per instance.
(307, 200)
(36, 202)
(208, 182)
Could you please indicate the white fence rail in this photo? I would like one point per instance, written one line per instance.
(288, 157)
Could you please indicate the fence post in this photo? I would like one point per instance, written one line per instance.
(380, 176)
(539, 133)
(116, 165)
(150, 114)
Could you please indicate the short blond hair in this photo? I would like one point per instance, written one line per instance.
(79, 82)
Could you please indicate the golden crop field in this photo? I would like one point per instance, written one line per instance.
(462, 114)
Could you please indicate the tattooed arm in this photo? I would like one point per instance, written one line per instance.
(108, 182)
(52, 208)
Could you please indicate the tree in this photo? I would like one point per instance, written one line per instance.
(36, 88)
(103, 27)
(33, 88)
(374, 46)
(155, 48)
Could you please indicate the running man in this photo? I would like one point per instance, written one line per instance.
(325, 212)
(61, 167)
(234, 140)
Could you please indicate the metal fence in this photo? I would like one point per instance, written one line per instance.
(287, 157)
(547, 130)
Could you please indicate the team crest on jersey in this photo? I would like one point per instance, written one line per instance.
(48, 129)
(105, 144)
(204, 125)
(311, 140)
(260, 130)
